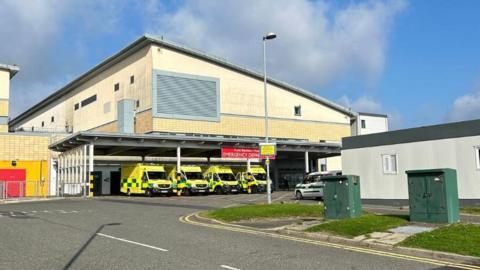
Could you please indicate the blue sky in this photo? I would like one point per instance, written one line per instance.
(417, 61)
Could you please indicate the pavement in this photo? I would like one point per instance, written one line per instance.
(147, 233)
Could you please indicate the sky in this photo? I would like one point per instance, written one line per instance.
(417, 61)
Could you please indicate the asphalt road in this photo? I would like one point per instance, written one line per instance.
(145, 233)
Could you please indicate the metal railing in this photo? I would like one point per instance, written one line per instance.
(21, 189)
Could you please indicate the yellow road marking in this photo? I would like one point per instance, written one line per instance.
(188, 220)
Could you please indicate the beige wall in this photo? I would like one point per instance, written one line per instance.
(242, 105)
(243, 95)
(4, 84)
(249, 126)
(104, 109)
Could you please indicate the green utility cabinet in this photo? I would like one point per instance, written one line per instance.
(341, 196)
(433, 196)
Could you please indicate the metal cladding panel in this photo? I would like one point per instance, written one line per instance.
(185, 96)
(125, 116)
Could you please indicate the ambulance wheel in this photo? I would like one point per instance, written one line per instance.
(148, 193)
(187, 192)
(298, 195)
(218, 190)
(254, 189)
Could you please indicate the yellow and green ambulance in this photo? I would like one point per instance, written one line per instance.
(189, 180)
(221, 180)
(252, 181)
(148, 179)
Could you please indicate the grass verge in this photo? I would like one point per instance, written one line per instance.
(461, 238)
(365, 224)
(265, 211)
(470, 210)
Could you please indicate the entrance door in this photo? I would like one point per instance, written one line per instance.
(115, 183)
(436, 194)
(417, 193)
(13, 182)
(97, 183)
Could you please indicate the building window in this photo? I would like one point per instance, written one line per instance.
(43, 123)
(132, 79)
(137, 103)
(364, 124)
(77, 106)
(89, 100)
(477, 156)
(116, 87)
(298, 110)
(390, 164)
(52, 119)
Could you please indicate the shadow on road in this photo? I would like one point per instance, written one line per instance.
(84, 246)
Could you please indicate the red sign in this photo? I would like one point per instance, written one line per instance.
(234, 152)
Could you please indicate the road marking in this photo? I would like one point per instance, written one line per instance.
(131, 242)
(228, 267)
(332, 245)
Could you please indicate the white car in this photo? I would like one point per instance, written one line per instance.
(312, 187)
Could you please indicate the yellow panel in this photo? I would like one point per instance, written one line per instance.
(37, 180)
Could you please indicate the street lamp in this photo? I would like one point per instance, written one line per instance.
(267, 36)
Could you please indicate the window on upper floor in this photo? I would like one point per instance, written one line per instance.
(116, 87)
(364, 124)
(52, 119)
(390, 164)
(132, 79)
(297, 110)
(77, 106)
(43, 123)
(89, 100)
(137, 103)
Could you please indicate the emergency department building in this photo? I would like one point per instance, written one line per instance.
(159, 99)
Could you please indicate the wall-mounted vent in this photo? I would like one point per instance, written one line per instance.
(177, 95)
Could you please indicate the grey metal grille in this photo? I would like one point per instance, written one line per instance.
(184, 96)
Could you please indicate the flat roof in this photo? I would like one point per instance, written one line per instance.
(164, 145)
(373, 114)
(425, 133)
(148, 39)
(13, 69)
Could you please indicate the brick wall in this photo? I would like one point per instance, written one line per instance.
(24, 147)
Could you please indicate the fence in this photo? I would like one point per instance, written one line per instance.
(21, 189)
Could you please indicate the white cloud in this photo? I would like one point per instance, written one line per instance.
(317, 42)
(370, 105)
(466, 107)
(46, 38)
(362, 104)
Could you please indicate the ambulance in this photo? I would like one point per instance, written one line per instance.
(148, 179)
(252, 181)
(221, 180)
(189, 180)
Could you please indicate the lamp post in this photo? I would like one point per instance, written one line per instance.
(266, 37)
